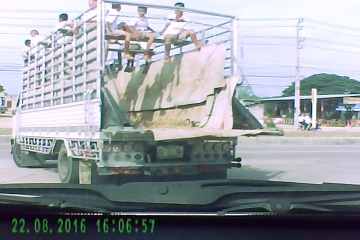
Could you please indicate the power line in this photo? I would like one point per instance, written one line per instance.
(10, 70)
(268, 19)
(331, 49)
(268, 76)
(334, 43)
(330, 69)
(40, 11)
(306, 67)
(333, 25)
(268, 37)
(248, 26)
(267, 44)
(269, 86)
(29, 18)
(346, 34)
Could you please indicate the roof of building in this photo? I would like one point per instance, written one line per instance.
(309, 97)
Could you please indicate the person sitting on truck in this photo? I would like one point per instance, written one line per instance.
(35, 40)
(63, 24)
(114, 28)
(177, 27)
(139, 27)
(26, 49)
(90, 18)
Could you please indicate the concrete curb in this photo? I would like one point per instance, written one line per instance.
(299, 140)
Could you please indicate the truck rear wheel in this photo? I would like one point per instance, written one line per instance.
(16, 153)
(68, 168)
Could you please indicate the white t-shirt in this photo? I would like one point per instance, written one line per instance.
(301, 119)
(34, 42)
(140, 24)
(307, 119)
(90, 16)
(176, 25)
(61, 37)
(25, 52)
(112, 17)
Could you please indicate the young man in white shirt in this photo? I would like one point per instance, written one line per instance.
(35, 40)
(177, 27)
(139, 26)
(89, 18)
(113, 27)
(64, 26)
(26, 49)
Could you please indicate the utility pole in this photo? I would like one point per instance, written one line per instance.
(297, 77)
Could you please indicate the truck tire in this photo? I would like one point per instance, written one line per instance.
(16, 154)
(68, 168)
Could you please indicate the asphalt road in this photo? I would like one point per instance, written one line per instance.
(312, 164)
(309, 164)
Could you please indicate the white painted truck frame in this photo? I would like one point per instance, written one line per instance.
(64, 106)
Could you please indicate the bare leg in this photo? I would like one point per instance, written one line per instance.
(106, 50)
(151, 38)
(194, 39)
(167, 47)
(127, 43)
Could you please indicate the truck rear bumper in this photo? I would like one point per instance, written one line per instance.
(165, 169)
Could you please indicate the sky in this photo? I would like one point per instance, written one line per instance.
(267, 36)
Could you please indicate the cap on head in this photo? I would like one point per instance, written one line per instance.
(27, 42)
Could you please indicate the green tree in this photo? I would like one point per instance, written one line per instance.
(325, 84)
(343, 118)
(245, 92)
(2, 89)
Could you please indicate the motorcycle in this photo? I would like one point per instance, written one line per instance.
(302, 127)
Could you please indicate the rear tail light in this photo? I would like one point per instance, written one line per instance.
(217, 147)
(207, 147)
(139, 147)
(106, 148)
(226, 147)
(116, 148)
(128, 148)
(199, 147)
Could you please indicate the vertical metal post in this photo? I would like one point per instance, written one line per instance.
(297, 80)
(314, 106)
(241, 61)
(73, 62)
(84, 56)
(234, 46)
(63, 80)
(100, 45)
(29, 67)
